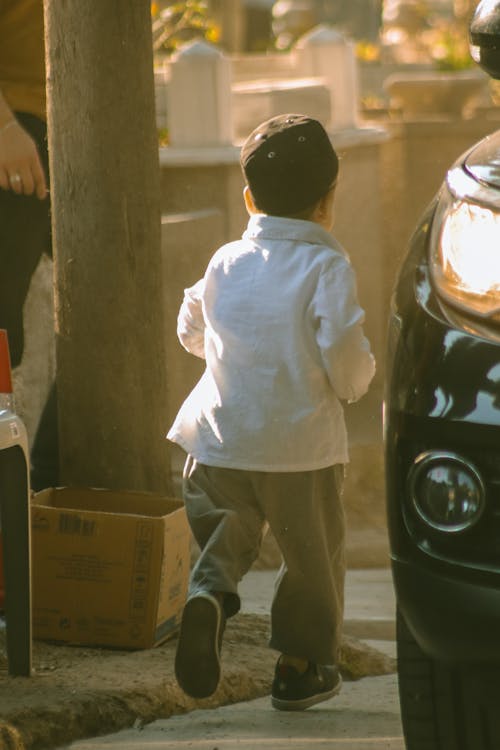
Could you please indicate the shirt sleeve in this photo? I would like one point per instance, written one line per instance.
(345, 351)
(190, 321)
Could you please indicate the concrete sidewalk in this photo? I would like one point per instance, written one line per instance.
(365, 716)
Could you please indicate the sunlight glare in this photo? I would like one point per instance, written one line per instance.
(470, 248)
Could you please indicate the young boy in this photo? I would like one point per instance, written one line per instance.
(277, 320)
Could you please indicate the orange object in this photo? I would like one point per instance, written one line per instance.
(5, 371)
(5, 387)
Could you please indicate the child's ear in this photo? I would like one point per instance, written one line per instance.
(249, 202)
(326, 202)
(324, 212)
(320, 210)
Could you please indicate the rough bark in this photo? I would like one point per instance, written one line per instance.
(106, 225)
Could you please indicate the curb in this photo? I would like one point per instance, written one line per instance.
(78, 693)
(372, 629)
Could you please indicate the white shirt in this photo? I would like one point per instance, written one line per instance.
(277, 320)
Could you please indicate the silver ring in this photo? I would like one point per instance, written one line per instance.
(14, 178)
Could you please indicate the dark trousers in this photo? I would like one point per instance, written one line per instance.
(24, 237)
(228, 511)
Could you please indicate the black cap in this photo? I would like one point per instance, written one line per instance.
(289, 163)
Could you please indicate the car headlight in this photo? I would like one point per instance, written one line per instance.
(446, 491)
(465, 247)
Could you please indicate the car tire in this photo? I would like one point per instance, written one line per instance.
(445, 706)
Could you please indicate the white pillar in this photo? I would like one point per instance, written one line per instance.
(326, 52)
(199, 97)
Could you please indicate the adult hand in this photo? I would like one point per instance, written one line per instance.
(20, 167)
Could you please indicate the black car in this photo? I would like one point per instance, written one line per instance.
(442, 432)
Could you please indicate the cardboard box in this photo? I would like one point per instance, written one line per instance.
(109, 568)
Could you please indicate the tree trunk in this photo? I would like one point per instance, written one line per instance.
(106, 224)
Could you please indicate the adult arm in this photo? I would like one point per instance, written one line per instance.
(19, 157)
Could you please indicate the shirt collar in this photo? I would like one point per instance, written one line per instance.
(262, 226)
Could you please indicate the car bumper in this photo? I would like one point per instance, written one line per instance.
(451, 619)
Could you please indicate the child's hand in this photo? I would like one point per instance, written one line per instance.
(191, 323)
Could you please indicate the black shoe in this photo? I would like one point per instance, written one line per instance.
(292, 691)
(197, 661)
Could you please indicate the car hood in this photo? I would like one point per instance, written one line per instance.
(483, 162)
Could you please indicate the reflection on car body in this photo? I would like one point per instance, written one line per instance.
(442, 433)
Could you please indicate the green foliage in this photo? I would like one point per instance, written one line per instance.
(451, 50)
(177, 23)
(163, 137)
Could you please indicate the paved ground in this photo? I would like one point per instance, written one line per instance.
(364, 717)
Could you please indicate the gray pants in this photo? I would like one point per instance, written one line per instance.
(228, 511)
